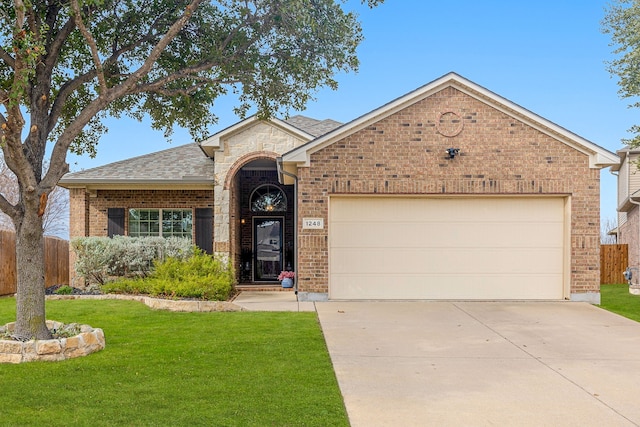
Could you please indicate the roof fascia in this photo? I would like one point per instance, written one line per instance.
(138, 184)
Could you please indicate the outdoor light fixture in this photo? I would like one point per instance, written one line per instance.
(452, 152)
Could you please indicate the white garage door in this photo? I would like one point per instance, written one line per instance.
(446, 248)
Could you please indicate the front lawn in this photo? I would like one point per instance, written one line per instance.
(164, 368)
(616, 298)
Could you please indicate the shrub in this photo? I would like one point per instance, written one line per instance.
(201, 276)
(91, 258)
(99, 258)
(64, 290)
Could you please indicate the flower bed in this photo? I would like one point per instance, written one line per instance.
(85, 340)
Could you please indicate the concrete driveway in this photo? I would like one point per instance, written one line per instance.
(484, 363)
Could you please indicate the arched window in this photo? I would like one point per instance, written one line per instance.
(268, 198)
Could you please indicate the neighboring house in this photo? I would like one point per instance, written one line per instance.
(628, 230)
(382, 207)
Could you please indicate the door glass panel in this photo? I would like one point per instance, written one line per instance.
(267, 248)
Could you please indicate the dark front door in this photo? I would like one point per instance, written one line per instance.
(267, 248)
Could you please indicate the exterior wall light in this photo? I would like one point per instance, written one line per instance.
(452, 152)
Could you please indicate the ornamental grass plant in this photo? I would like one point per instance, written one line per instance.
(200, 277)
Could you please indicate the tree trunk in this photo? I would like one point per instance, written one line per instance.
(30, 296)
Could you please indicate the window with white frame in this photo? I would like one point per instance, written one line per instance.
(161, 222)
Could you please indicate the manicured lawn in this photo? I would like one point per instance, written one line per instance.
(182, 369)
(616, 298)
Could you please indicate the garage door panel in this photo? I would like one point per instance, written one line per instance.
(443, 234)
(469, 248)
(458, 261)
(461, 287)
(451, 210)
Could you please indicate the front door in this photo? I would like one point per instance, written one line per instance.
(267, 248)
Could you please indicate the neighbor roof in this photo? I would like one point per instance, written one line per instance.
(185, 165)
(598, 156)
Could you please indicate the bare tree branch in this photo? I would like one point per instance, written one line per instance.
(92, 45)
(7, 58)
(58, 166)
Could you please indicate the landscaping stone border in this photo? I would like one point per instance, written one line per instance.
(91, 339)
(162, 304)
(88, 341)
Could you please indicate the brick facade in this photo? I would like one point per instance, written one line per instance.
(502, 152)
(88, 211)
(405, 154)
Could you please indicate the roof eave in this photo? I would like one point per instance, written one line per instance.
(137, 184)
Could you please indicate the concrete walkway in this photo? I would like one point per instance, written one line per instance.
(272, 301)
(484, 364)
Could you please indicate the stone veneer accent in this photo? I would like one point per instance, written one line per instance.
(629, 233)
(88, 341)
(258, 141)
(404, 154)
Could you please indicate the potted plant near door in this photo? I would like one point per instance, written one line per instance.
(286, 277)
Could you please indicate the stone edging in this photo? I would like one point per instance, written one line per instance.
(161, 304)
(88, 341)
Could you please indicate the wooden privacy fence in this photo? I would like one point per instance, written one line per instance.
(56, 254)
(614, 259)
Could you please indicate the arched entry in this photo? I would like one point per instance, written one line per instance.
(261, 223)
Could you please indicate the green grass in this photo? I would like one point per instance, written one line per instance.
(161, 368)
(617, 299)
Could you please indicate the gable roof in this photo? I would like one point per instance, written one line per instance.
(598, 157)
(184, 166)
(303, 128)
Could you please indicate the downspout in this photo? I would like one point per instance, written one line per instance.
(281, 174)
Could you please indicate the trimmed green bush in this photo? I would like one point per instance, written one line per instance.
(201, 277)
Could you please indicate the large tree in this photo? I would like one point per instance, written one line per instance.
(622, 23)
(67, 64)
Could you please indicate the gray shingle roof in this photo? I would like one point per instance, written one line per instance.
(312, 126)
(185, 163)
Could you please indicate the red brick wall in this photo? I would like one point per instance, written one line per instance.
(405, 154)
(144, 199)
(88, 212)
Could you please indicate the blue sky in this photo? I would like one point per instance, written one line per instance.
(547, 56)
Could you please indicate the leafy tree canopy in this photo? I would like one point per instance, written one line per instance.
(622, 23)
(67, 64)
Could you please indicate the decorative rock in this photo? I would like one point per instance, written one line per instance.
(87, 341)
(162, 304)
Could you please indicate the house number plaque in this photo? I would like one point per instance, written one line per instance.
(313, 223)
